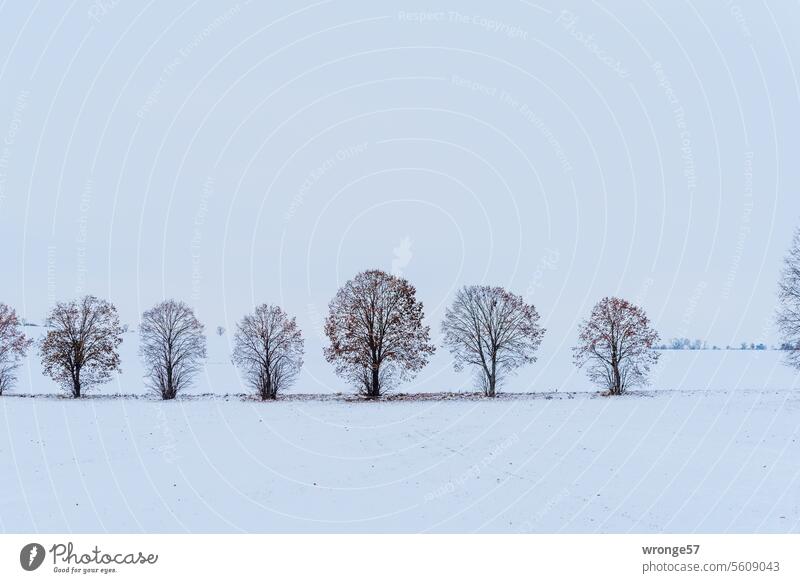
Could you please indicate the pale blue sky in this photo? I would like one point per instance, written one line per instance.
(232, 154)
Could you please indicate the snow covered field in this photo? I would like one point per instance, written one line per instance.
(650, 462)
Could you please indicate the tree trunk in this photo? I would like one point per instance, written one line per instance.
(616, 389)
(493, 378)
(76, 387)
(375, 389)
(265, 388)
(490, 390)
(170, 393)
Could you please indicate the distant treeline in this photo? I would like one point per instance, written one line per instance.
(687, 344)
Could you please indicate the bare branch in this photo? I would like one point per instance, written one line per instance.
(172, 347)
(268, 347)
(80, 349)
(788, 315)
(492, 330)
(376, 333)
(13, 347)
(616, 345)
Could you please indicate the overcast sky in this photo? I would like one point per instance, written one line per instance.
(235, 154)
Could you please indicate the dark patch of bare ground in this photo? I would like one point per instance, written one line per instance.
(334, 397)
(401, 397)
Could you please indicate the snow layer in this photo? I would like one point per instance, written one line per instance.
(649, 462)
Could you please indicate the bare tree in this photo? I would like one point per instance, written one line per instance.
(617, 344)
(268, 347)
(172, 346)
(788, 316)
(492, 330)
(13, 346)
(80, 348)
(376, 332)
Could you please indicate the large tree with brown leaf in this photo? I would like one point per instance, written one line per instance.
(13, 346)
(492, 330)
(616, 345)
(788, 317)
(376, 332)
(80, 349)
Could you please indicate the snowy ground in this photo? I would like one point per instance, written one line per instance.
(652, 462)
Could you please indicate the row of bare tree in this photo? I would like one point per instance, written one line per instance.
(268, 348)
(376, 332)
(377, 338)
(81, 347)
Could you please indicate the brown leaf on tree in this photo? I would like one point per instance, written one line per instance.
(80, 349)
(617, 345)
(377, 337)
(13, 347)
